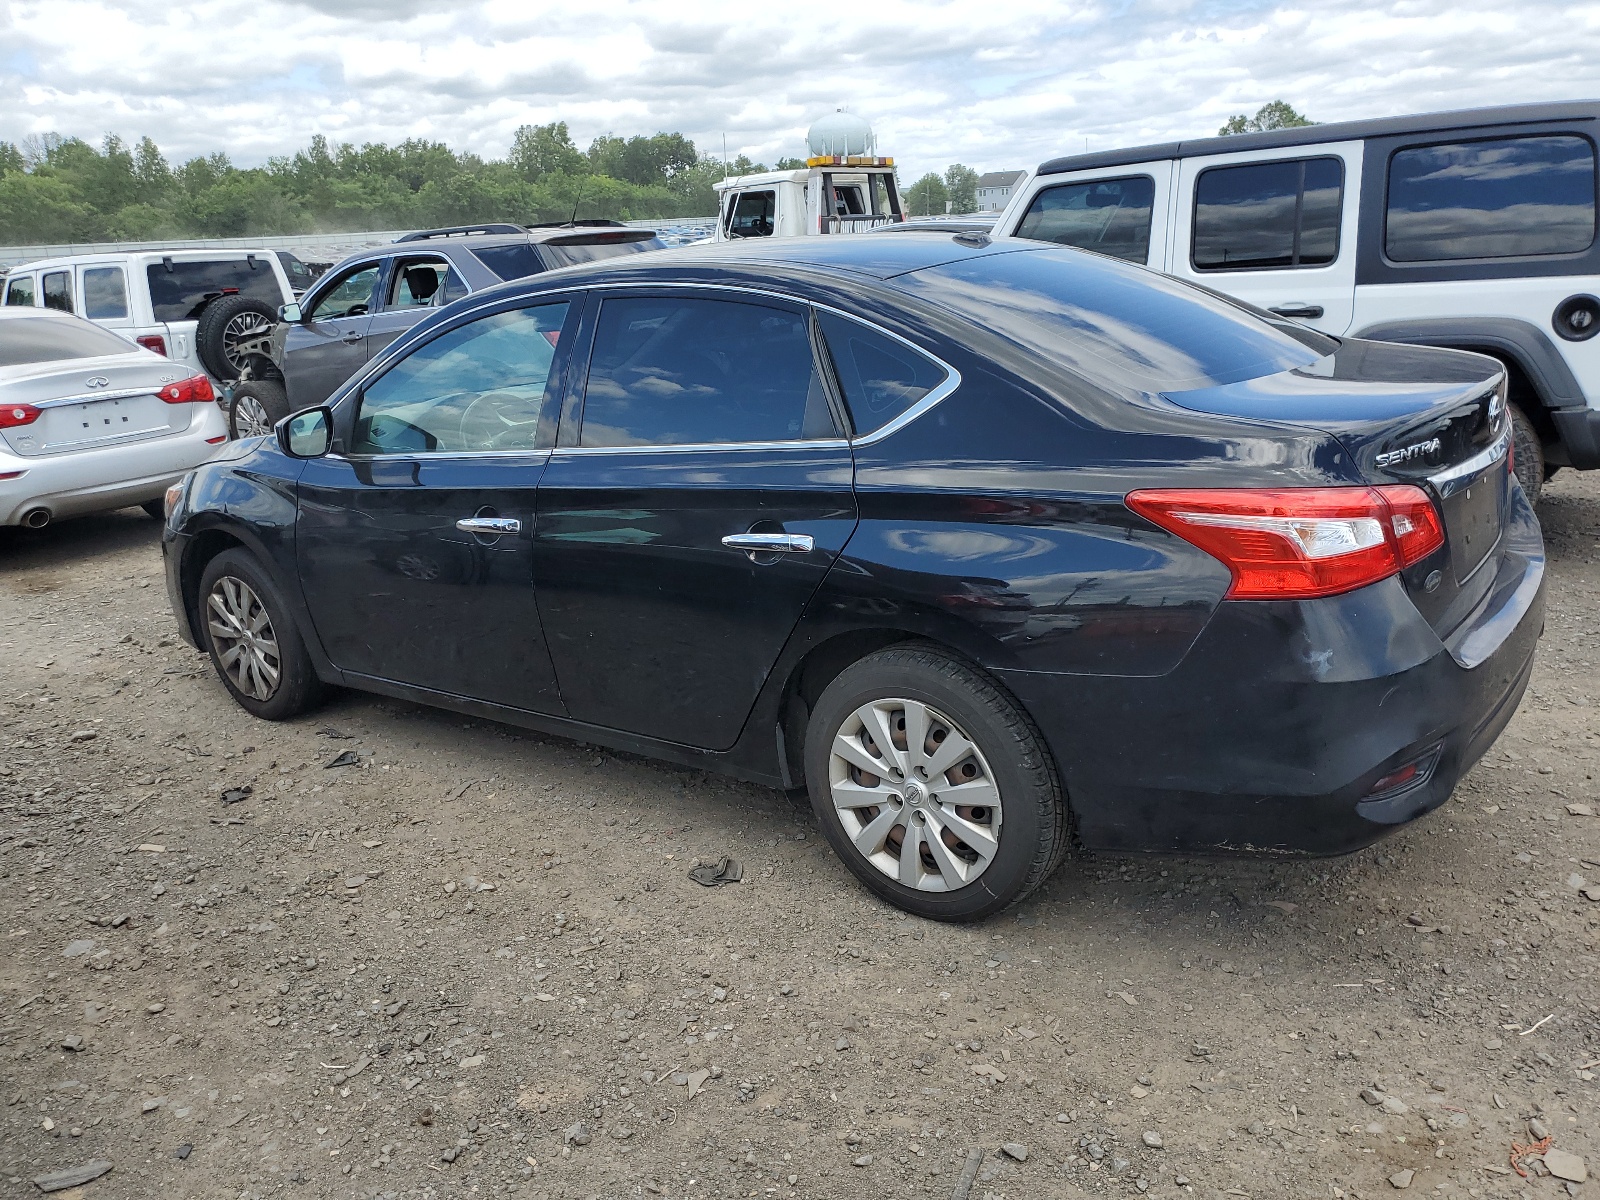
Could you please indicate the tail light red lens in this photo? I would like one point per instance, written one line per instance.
(13, 415)
(153, 341)
(194, 390)
(1300, 543)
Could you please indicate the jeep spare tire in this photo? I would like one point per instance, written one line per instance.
(232, 330)
(257, 407)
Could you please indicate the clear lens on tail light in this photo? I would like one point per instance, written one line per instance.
(13, 415)
(194, 390)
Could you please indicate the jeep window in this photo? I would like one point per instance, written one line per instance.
(751, 214)
(58, 291)
(1111, 216)
(423, 284)
(350, 296)
(514, 260)
(105, 294)
(50, 339)
(179, 290)
(1258, 216)
(20, 291)
(1504, 198)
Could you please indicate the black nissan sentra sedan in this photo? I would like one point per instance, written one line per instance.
(986, 544)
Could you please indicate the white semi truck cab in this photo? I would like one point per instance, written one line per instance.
(844, 188)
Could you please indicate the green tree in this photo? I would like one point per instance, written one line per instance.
(1276, 115)
(10, 159)
(927, 197)
(152, 175)
(789, 164)
(541, 150)
(962, 183)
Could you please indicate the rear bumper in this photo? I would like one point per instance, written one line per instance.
(1271, 733)
(86, 481)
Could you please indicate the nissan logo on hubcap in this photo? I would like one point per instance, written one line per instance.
(913, 794)
(98, 381)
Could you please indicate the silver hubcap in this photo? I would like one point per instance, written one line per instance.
(252, 419)
(246, 333)
(241, 632)
(915, 795)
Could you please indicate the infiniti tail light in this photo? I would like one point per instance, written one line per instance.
(13, 415)
(1300, 543)
(153, 341)
(194, 390)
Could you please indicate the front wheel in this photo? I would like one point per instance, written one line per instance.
(257, 407)
(933, 786)
(255, 647)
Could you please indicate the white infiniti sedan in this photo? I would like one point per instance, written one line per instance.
(90, 422)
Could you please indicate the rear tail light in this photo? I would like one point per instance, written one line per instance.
(153, 341)
(13, 415)
(194, 390)
(1300, 543)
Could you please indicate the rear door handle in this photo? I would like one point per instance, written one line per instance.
(1301, 312)
(771, 543)
(489, 526)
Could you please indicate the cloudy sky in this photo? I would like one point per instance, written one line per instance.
(990, 84)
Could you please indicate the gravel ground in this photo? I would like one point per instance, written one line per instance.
(472, 962)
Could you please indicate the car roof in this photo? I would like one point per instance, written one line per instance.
(537, 235)
(1508, 115)
(121, 256)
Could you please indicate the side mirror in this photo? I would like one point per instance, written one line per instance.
(306, 434)
(290, 313)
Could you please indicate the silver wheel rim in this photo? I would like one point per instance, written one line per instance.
(915, 795)
(244, 334)
(243, 638)
(250, 418)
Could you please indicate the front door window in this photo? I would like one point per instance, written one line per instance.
(752, 214)
(350, 297)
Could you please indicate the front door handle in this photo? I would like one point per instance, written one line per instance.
(771, 543)
(1300, 312)
(351, 338)
(489, 526)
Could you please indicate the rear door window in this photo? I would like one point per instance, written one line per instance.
(179, 290)
(689, 371)
(105, 294)
(58, 291)
(1503, 198)
(880, 376)
(1266, 215)
(751, 214)
(1111, 216)
(348, 297)
(19, 291)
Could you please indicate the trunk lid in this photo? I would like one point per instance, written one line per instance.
(1405, 414)
(88, 403)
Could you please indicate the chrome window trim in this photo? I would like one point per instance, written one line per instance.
(437, 455)
(701, 447)
(1478, 462)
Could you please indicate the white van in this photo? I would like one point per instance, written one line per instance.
(1474, 230)
(204, 309)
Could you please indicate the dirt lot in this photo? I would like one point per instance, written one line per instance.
(472, 964)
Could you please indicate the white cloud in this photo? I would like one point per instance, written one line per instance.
(992, 86)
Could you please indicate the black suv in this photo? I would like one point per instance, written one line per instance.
(371, 298)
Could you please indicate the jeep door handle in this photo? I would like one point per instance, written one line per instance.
(489, 526)
(771, 543)
(1301, 312)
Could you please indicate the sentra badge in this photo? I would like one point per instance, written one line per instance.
(1405, 454)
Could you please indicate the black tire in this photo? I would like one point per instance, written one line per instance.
(156, 509)
(1031, 821)
(265, 400)
(296, 687)
(230, 332)
(1529, 454)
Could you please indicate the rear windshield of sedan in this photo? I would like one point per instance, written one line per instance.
(40, 339)
(1112, 322)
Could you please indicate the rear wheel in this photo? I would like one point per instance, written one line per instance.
(933, 786)
(257, 407)
(1529, 454)
(231, 330)
(255, 647)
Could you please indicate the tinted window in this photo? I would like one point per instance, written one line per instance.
(567, 254)
(45, 339)
(350, 296)
(477, 388)
(1258, 215)
(1111, 216)
(1109, 321)
(105, 293)
(420, 285)
(880, 377)
(752, 214)
(511, 261)
(1499, 199)
(677, 371)
(20, 291)
(178, 292)
(58, 291)
(300, 277)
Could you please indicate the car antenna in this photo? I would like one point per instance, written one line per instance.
(573, 219)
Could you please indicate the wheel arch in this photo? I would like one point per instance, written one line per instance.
(202, 547)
